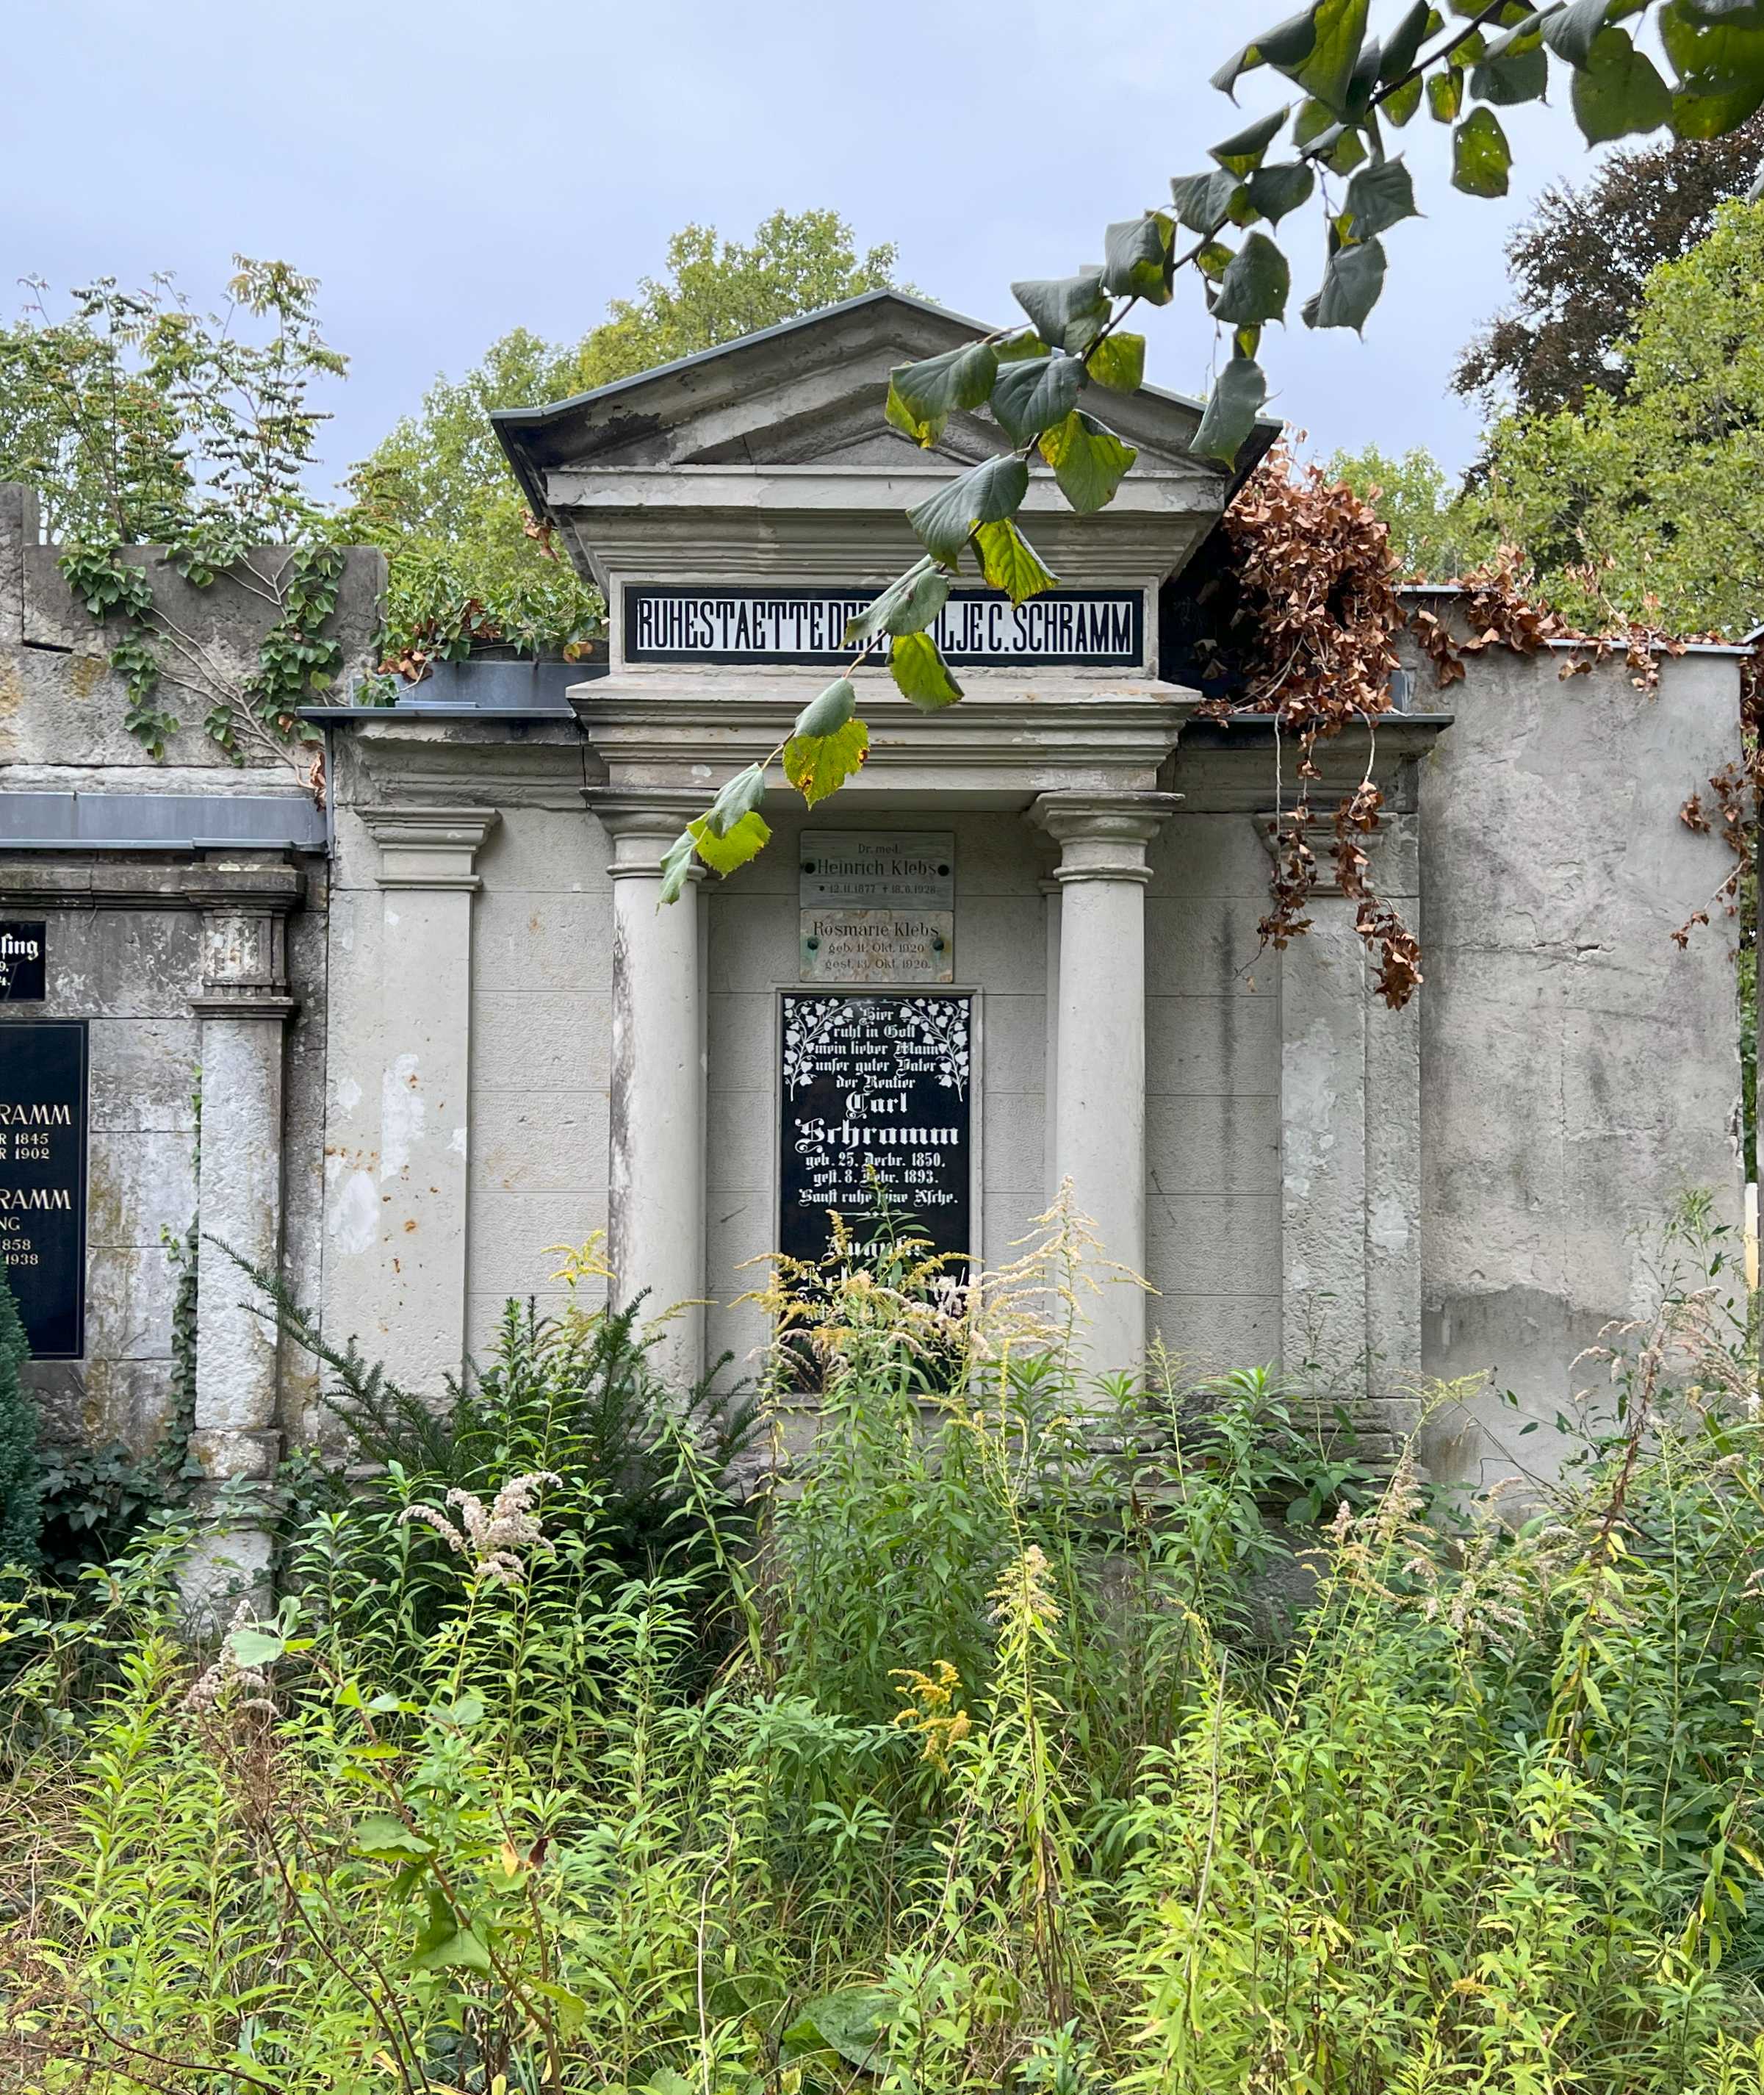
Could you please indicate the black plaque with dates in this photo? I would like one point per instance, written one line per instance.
(878, 1095)
(42, 1180)
(23, 960)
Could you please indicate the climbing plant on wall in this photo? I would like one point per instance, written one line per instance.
(141, 421)
(1629, 67)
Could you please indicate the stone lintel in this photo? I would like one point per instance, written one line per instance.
(429, 847)
(274, 887)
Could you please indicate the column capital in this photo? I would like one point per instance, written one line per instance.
(431, 847)
(245, 951)
(1320, 837)
(1103, 836)
(642, 824)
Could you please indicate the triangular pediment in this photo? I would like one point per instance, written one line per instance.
(809, 393)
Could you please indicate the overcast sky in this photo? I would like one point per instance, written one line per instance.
(449, 170)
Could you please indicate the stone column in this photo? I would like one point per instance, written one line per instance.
(413, 1292)
(656, 1179)
(1099, 1041)
(1350, 1113)
(243, 1009)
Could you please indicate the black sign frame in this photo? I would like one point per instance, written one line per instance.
(23, 975)
(1034, 609)
(956, 1231)
(51, 1298)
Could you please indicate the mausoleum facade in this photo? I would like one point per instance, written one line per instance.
(448, 1023)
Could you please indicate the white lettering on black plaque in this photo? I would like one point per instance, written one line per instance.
(878, 1096)
(42, 1180)
(23, 954)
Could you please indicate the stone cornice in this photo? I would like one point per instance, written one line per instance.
(263, 889)
(429, 847)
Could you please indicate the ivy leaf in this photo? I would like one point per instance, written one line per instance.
(921, 395)
(1232, 407)
(1242, 153)
(1136, 258)
(1721, 72)
(909, 603)
(1570, 34)
(1445, 95)
(1204, 202)
(818, 763)
(1618, 90)
(381, 1834)
(1402, 47)
(1030, 397)
(1282, 187)
(1379, 197)
(739, 797)
(1089, 462)
(922, 674)
(1254, 288)
(1351, 286)
(723, 851)
(677, 866)
(946, 520)
(1481, 156)
(828, 712)
(1402, 102)
(1011, 564)
(1118, 362)
(1069, 311)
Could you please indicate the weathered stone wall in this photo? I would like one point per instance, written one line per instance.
(131, 948)
(1580, 1069)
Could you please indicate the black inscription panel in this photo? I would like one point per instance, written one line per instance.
(23, 956)
(42, 1180)
(977, 629)
(877, 1092)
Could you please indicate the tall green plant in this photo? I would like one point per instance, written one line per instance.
(21, 1470)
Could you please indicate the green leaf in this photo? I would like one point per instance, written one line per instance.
(1737, 14)
(1445, 95)
(1281, 188)
(734, 846)
(925, 394)
(1089, 462)
(1345, 153)
(1029, 397)
(1314, 121)
(908, 605)
(1011, 564)
(1214, 259)
(740, 797)
(1720, 68)
(1521, 75)
(1288, 43)
(1136, 258)
(820, 763)
(1481, 156)
(1232, 407)
(1118, 362)
(569, 2010)
(1351, 286)
(830, 711)
(1618, 91)
(1338, 32)
(256, 1648)
(444, 1945)
(1015, 348)
(918, 668)
(946, 520)
(1242, 153)
(1402, 47)
(1402, 102)
(1255, 287)
(1379, 197)
(1570, 34)
(1069, 311)
(676, 864)
(381, 1834)
(852, 2024)
(1204, 202)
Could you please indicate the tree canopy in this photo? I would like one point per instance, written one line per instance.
(467, 562)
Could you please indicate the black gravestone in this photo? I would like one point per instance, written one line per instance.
(24, 953)
(877, 1098)
(42, 1180)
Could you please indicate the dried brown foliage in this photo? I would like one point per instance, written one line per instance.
(1319, 595)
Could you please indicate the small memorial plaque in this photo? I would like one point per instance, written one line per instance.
(23, 954)
(879, 945)
(878, 869)
(42, 1180)
(878, 1097)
